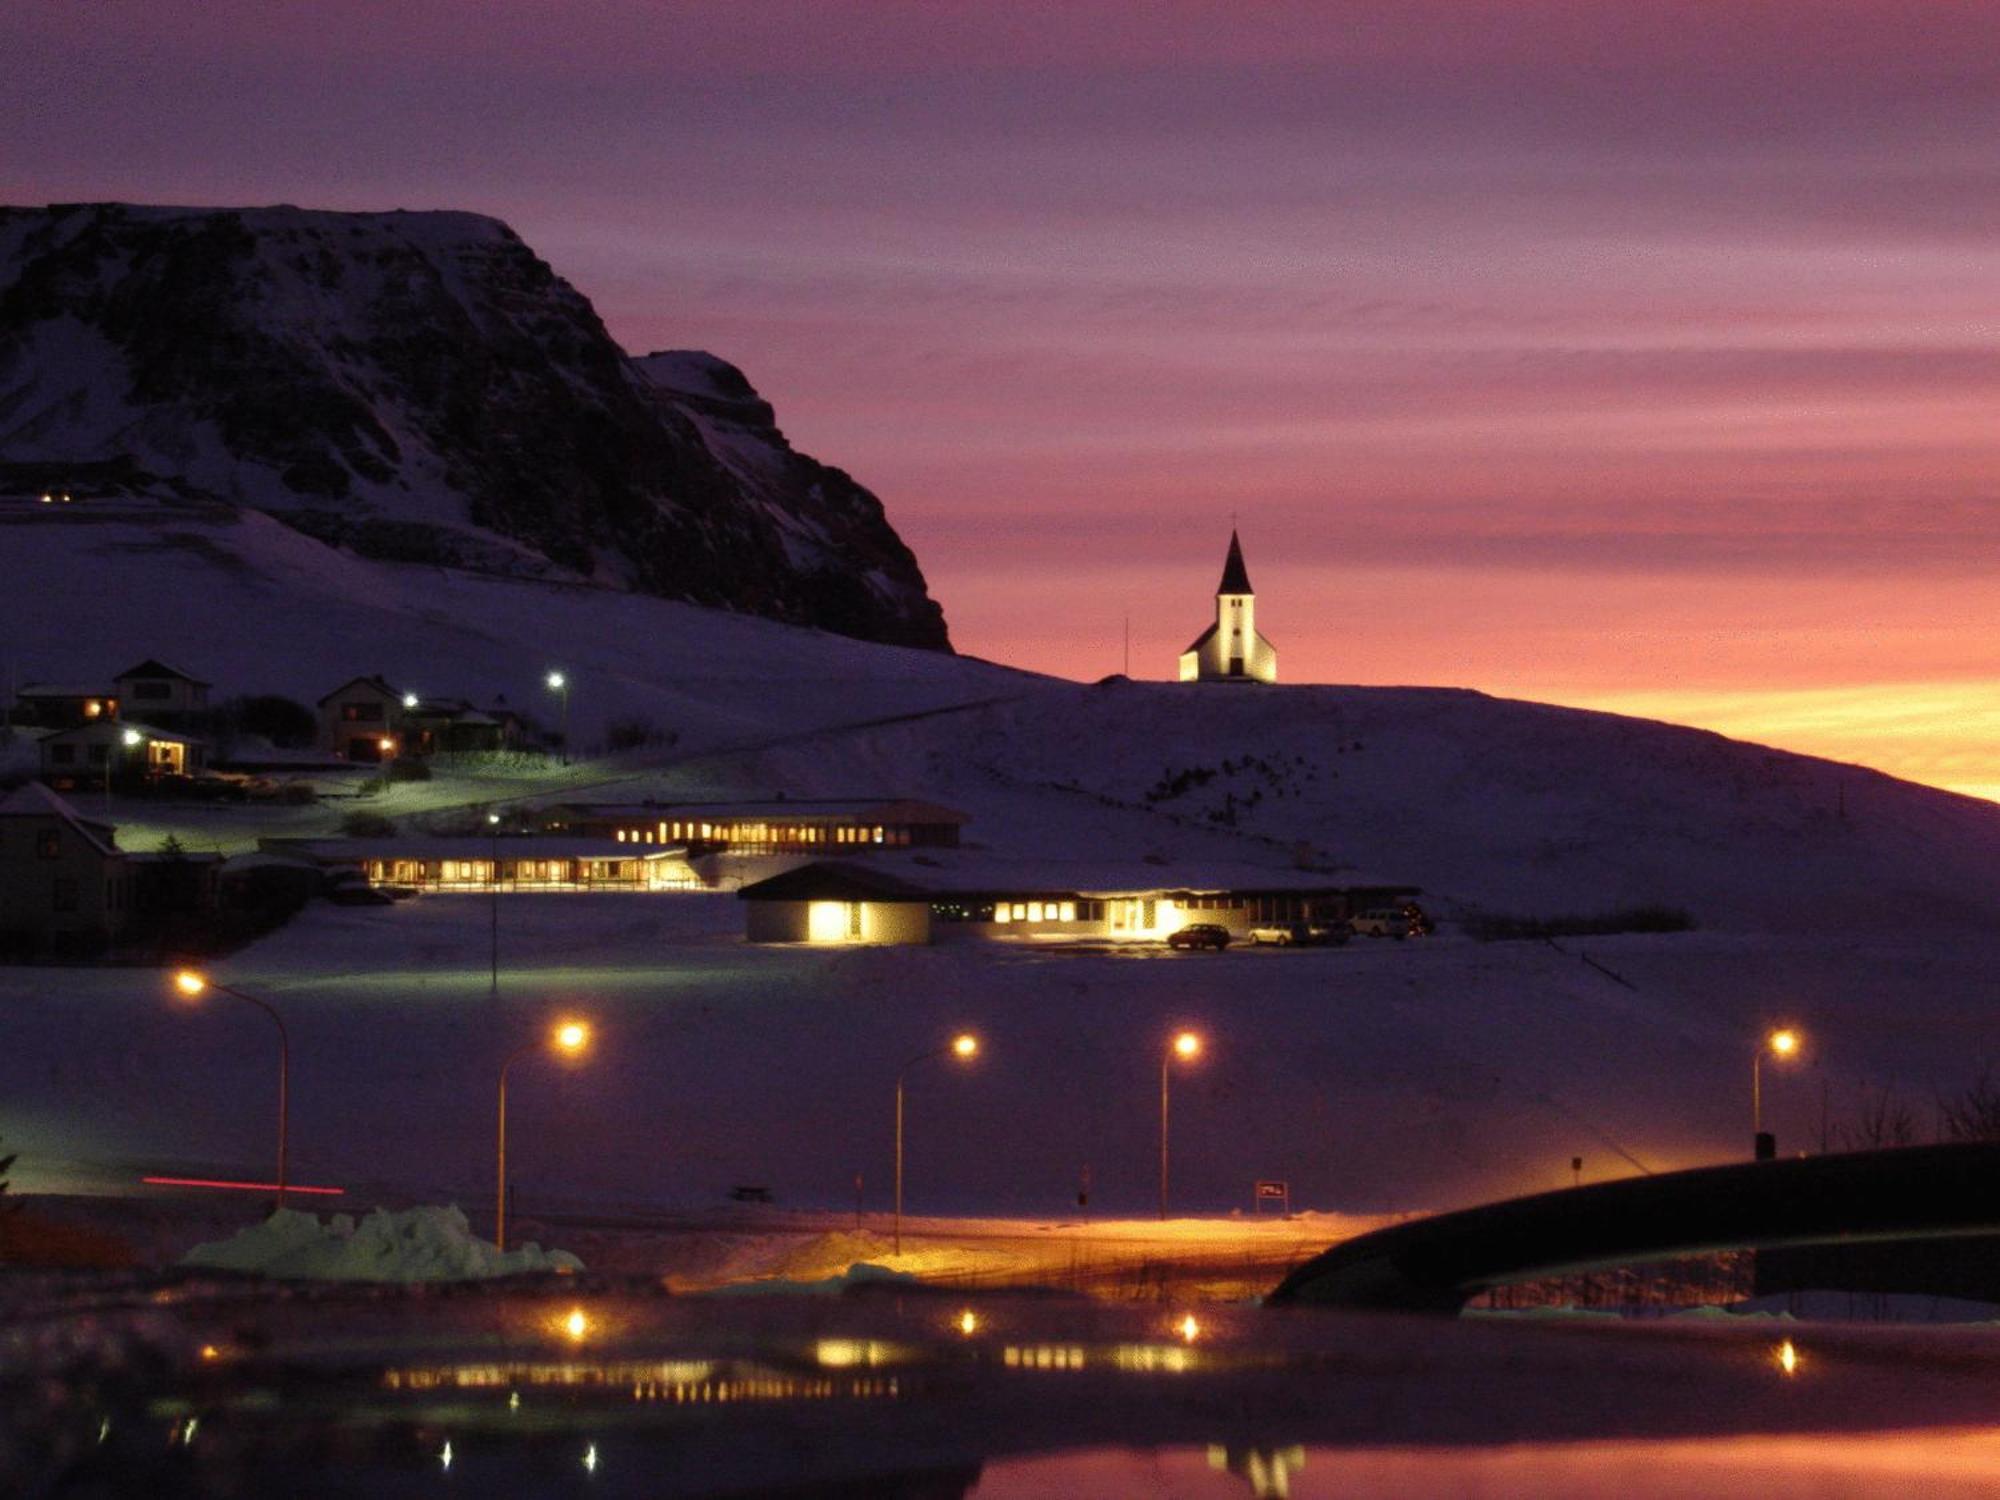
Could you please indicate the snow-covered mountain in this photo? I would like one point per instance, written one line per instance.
(419, 387)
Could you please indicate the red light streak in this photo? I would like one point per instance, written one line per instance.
(241, 1187)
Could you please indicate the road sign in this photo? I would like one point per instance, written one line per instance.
(1277, 1192)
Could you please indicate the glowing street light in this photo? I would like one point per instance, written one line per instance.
(1782, 1044)
(566, 1039)
(193, 985)
(964, 1047)
(409, 700)
(558, 683)
(1186, 1046)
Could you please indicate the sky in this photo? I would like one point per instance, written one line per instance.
(1630, 356)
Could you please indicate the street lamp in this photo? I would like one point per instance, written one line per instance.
(566, 1039)
(493, 901)
(964, 1047)
(193, 985)
(558, 683)
(1186, 1046)
(1781, 1044)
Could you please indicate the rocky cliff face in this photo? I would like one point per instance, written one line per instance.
(419, 386)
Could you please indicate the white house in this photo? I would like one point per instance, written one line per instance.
(1231, 650)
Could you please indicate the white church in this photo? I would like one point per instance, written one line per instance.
(1231, 650)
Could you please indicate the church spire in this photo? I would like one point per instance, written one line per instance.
(1235, 577)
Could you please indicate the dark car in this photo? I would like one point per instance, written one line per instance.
(1200, 935)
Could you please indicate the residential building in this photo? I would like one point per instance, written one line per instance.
(63, 878)
(781, 825)
(362, 720)
(130, 754)
(452, 726)
(534, 863)
(60, 705)
(159, 694)
(1231, 650)
(949, 896)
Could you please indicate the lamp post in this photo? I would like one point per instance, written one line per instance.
(965, 1047)
(1781, 1044)
(193, 985)
(130, 739)
(558, 683)
(1187, 1047)
(493, 901)
(565, 1039)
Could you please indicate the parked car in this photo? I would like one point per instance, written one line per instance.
(1282, 935)
(1200, 935)
(1332, 933)
(1383, 921)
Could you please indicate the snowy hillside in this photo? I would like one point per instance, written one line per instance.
(1490, 805)
(1373, 1077)
(255, 607)
(418, 386)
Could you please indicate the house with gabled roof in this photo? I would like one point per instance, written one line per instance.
(63, 878)
(161, 694)
(362, 720)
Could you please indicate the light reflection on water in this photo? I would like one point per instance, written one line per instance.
(1941, 1465)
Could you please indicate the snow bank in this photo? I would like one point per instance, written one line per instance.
(418, 1244)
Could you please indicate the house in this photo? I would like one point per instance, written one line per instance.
(524, 864)
(452, 726)
(130, 754)
(362, 720)
(59, 705)
(951, 896)
(1231, 650)
(63, 879)
(161, 695)
(780, 825)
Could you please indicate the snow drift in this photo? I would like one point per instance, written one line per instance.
(416, 1244)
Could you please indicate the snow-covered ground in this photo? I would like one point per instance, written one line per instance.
(1377, 1078)
(1374, 1078)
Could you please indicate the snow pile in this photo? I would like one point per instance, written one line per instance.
(418, 1244)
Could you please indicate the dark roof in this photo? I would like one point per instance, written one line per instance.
(829, 880)
(33, 800)
(1202, 640)
(375, 682)
(931, 874)
(1235, 577)
(152, 666)
(898, 810)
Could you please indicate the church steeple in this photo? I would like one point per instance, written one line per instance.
(1232, 649)
(1235, 577)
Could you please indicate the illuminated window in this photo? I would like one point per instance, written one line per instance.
(1034, 911)
(1000, 913)
(1020, 911)
(621, 835)
(1069, 911)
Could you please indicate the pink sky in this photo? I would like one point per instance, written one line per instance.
(1636, 355)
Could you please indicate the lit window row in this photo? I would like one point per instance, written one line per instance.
(1035, 911)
